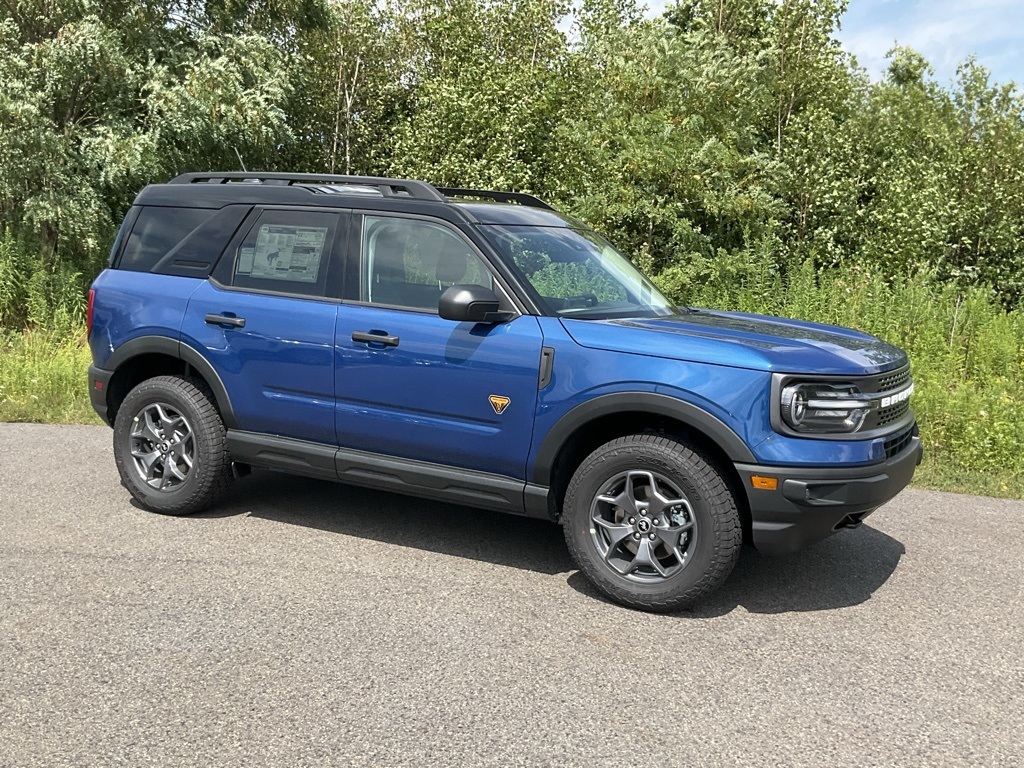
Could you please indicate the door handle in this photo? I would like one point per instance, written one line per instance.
(375, 337)
(237, 322)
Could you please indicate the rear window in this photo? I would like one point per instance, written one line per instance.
(157, 231)
(286, 251)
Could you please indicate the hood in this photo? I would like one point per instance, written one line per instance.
(741, 340)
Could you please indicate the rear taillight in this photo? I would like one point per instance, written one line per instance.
(88, 312)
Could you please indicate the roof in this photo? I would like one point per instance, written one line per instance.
(217, 189)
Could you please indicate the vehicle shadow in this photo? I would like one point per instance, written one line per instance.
(391, 518)
(841, 571)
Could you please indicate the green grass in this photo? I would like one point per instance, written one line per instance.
(43, 377)
(938, 476)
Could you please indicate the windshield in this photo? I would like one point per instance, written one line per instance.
(577, 273)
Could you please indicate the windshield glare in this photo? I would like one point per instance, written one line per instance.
(577, 273)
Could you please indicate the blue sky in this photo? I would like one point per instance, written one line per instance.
(945, 31)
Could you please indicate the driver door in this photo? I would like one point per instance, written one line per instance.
(414, 385)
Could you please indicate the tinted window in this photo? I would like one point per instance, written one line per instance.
(156, 232)
(286, 251)
(409, 263)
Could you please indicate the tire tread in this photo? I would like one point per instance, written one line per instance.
(213, 476)
(704, 473)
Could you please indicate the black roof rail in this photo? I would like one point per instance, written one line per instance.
(499, 197)
(418, 190)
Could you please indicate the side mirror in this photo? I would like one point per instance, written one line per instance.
(472, 304)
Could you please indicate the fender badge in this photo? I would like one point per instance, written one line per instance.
(499, 403)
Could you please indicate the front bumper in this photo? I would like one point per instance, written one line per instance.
(811, 504)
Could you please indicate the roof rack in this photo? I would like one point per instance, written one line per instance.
(418, 190)
(499, 197)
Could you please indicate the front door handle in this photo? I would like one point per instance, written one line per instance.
(237, 322)
(375, 337)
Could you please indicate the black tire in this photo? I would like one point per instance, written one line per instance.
(659, 550)
(170, 446)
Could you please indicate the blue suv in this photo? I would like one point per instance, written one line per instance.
(480, 348)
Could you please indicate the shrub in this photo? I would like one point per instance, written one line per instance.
(43, 377)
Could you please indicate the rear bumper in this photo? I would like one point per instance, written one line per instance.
(99, 382)
(811, 504)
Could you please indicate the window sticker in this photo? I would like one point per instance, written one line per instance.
(285, 253)
(245, 256)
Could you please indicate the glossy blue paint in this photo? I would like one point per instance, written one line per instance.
(736, 396)
(125, 309)
(427, 397)
(279, 368)
(743, 341)
(295, 371)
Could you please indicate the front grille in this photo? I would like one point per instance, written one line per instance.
(893, 413)
(898, 442)
(894, 380)
(883, 382)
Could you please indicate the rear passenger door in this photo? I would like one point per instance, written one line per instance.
(458, 394)
(266, 321)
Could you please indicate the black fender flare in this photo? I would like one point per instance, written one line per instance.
(162, 345)
(646, 402)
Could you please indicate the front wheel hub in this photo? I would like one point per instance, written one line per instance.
(643, 526)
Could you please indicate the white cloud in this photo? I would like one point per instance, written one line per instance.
(946, 32)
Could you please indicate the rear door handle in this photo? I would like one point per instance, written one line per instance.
(375, 337)
(237, 322)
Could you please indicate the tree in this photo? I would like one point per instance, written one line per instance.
(90, 112)
(486, 85)
(347, 92)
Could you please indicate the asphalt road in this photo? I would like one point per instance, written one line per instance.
(306, 623)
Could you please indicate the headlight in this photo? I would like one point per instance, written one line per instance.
(824, 407)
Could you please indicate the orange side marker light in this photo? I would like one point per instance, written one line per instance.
(763, 483)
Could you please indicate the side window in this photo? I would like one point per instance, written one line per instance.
(286, 251)
(157, 231)
(409, 263)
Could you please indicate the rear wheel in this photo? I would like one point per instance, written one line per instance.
(170, 446)
(652, 523)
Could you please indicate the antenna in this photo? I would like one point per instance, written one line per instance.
(240, 161)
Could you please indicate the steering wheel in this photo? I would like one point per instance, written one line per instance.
(581, 300)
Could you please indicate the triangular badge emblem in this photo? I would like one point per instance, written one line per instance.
(499, 403)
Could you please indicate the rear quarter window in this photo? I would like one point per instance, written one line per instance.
(157, 231)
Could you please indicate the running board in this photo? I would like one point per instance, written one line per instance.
(387, 473)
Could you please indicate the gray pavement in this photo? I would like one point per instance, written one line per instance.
(306, 623)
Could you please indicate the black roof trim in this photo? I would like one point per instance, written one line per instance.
(521, 198)
(403, 188)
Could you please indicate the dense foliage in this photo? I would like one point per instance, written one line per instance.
(728, 135)
(730, 147)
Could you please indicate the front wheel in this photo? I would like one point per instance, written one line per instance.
(651, 522)
(170, 446)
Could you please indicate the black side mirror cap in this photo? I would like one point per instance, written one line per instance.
(471, 304)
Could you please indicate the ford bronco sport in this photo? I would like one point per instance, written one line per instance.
(482, 349)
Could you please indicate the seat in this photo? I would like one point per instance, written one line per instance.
(451, 268)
